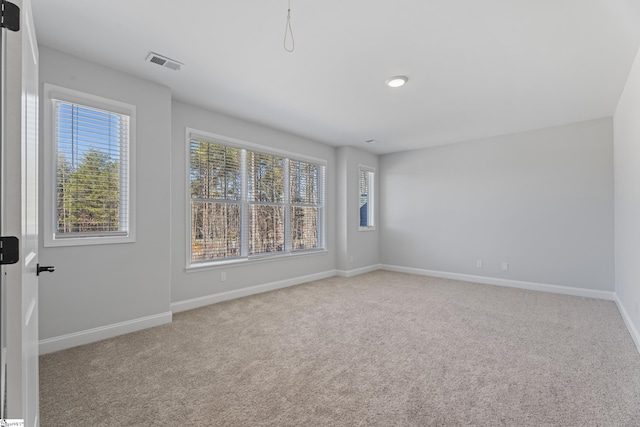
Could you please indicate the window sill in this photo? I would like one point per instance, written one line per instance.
(239, 262)
(87, 241)
(366, 229)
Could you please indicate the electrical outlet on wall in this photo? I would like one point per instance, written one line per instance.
(505, 266)
(351, 259)
(479, 263)
(223, 276)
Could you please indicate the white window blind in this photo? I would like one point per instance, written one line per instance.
(306, 204)
(91, 171)
(246, 203)
(266, 203)
(216, 193)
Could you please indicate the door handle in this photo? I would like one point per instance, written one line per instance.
(47, 268)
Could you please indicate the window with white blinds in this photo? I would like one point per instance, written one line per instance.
(89, 154)
(307, 201)
(216, 195)
(265, 175)
(366, 199)
(246, 203)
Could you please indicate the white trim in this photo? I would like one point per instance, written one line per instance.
(187, 197)
(245, 203)
(3, 374)
(254, 259)
(190, 304)
(63, 342)
(88, 336)
(86, 241)
(52, 92)
(32, 307)
(633, 331)
(288, 246)
(357, 271)
(532, 286)
(239, 143)
(371, 198)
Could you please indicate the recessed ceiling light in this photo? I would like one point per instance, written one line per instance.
(396, 81)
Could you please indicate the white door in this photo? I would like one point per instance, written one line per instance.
(19, 214)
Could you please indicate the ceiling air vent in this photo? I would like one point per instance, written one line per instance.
(163, 61)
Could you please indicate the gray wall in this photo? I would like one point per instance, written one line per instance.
(103, 285)
(541, 201)
(94, 286)
(361, 246)
(627, 197)
(202, 283)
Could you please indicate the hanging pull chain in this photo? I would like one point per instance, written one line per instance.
(289, 31)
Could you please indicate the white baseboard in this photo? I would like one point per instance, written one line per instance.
(190, 304)
(532, 286)
(357, 271)
(63, 342)
(75, 339)
(627, 320)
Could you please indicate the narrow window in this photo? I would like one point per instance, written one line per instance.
(266, 203)
(306, 205)
(216, 192)
(366, 198)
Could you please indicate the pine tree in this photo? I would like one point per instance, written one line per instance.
(89, 196)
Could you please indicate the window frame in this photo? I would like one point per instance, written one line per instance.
(245, 257)
(371, 198)
(51, 94)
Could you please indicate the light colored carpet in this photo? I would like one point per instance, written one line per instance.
(380, 349)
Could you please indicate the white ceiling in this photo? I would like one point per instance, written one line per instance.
(476, 68)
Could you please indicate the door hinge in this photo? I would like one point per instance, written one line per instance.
(10, 18)
(9, 250)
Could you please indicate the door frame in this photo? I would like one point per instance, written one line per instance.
(19, 214)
